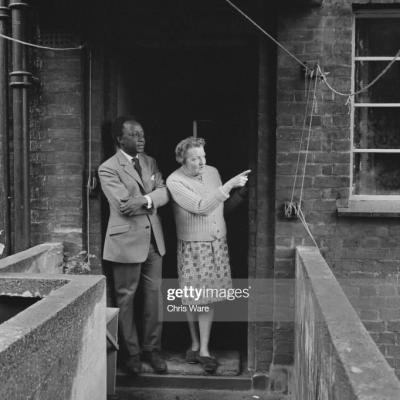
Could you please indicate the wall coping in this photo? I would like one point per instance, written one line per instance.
(62, 333)
(368, 373)
(43, 258)
(57, 292)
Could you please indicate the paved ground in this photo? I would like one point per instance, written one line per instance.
(191, 394)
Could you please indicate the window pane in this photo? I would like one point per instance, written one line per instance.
(386, 90)
(377, 128)
(376, 174)
(377, 36)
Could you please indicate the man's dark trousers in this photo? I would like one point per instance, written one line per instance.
(126, 280)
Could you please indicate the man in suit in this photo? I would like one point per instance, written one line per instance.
(134, 242)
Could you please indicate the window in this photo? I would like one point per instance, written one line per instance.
(376, 112)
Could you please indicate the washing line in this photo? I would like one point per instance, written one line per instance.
(300, 213)
(313, 107)
(304, 65)
(364, 88)
(307, 97)
(292, 207)
(38, 46)
(267, 34)
(319, 74)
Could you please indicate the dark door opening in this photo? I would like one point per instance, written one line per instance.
(210, 90)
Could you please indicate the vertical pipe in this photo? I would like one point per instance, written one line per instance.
(19, 83)
(4, 167)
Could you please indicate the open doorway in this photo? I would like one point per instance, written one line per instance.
(211, 91)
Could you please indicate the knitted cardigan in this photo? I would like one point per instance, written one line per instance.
(198, 204)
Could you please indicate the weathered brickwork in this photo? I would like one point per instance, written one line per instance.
(377, 302)
(352, 247)
(60, 153)
(57, 151)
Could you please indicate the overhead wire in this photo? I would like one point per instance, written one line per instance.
(38, 46)
(307, 97)
(313, 106)
(304, 65)
(267, 34)
(364, 88)
(319, 74)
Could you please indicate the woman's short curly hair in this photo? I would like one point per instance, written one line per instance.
(184, 145)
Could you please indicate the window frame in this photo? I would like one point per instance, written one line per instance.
(358, 15)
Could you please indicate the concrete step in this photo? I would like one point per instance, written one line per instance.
(192, 394)
(151, 380)
(229, 364)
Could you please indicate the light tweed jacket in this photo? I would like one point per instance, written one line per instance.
(128, 238)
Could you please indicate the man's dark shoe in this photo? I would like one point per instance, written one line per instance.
(155, 360)
(134, 365)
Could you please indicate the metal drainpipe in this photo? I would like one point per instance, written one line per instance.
(4, 168)
(19, 82)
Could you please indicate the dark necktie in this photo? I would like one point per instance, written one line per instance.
(137, 166)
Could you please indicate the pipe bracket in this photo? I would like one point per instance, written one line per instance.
(4, 12)
(18, 4)
(20, 78)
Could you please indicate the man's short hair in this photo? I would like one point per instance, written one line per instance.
(118, 124)
(184, 145)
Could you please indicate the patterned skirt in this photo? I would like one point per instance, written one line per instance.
(201, 266)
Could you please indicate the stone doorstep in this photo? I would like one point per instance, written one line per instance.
(183, 375)
(229, 364)
(231, 376)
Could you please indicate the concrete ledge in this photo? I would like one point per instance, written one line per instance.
(194, 382)
(371, 209)
(335, 356)
(46, 258)
(56, 348)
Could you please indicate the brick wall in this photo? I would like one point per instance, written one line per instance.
(60, 152)
(332, 343)
(57, 151)
(352, 247)
(377, 302)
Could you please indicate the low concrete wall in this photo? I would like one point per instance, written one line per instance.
(377, 302)
(335, 357)
(46, 258)
(56, 348)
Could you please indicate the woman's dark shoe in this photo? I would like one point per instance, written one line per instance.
(191, 356)
(209, 364)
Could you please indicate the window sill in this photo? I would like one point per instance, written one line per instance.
(371, 209)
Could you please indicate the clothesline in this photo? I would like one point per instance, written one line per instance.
(322, 74)
(317, 74)
(38, 46)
